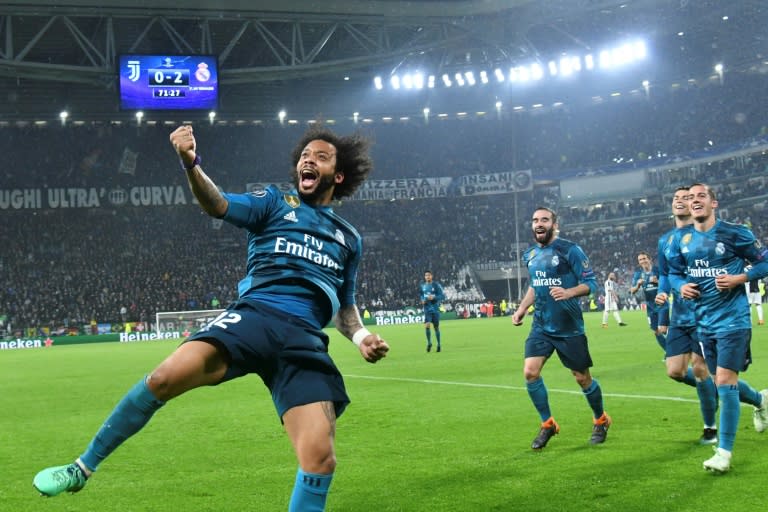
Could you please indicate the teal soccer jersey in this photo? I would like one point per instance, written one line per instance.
(683, 314)
(436, 290)
(699, 257)
(562, 263)
(289, 242)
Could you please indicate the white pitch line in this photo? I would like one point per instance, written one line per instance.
(519, 388)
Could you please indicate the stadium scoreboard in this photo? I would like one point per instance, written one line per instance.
(168, 82)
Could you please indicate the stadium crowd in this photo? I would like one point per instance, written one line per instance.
(72, 267)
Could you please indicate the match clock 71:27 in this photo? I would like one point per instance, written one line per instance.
(168, 77)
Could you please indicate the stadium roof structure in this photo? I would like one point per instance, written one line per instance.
(319, 58)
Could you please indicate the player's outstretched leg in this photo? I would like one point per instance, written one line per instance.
(128, 417)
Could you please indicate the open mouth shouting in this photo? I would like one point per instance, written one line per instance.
(308, 177)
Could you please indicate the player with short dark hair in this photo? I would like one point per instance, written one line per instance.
(646, 278)
(301, 272)
(560, 274)
(682, 345)
(706, 265)
(432, 296)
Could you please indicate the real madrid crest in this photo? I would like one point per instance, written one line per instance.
(686, 239)
(719, 249)
(292, 201)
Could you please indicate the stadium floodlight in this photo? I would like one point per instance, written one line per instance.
(63, 115)
(566, 67)
(483, 77)
(356, 116)
(431, 81)
(281, 115)
(606, 59)
(407, 81)
(378, 83)
(514, 74)
(211, 116)
(394, 81)
(524, 74)
(640, 50)
(447, 80)
(418, 80)
(552, 68)
(499, 74)
(459, 79)
(470, 76)
(537, 72)
(589, 61)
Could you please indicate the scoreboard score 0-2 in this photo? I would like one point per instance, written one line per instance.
(168, 82)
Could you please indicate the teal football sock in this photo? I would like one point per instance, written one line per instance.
(128, 417)
(749, 395)
(540, 398)
(707, 400)
(594, 395)
(730, 410)
(309, 492)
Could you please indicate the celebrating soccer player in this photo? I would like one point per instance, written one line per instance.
(301, 272)
(706, 265)
(646, 278)
(682, 345)
(560, 273)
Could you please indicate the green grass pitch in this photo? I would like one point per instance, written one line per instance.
(425, 432)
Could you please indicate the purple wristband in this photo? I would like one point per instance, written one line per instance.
(195, 162)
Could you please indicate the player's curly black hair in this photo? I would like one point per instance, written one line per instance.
(352, 158)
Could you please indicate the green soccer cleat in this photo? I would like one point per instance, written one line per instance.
(55, 480)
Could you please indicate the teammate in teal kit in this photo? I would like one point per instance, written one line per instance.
(560, 274)
(646, 278)
(706, 265)
(301, 272)
(432, 296)
(682, 345)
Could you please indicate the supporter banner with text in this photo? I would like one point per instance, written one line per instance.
(93, 197)
(173, 195)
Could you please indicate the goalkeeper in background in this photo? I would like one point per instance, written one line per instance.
(301, 272)
(431, 297)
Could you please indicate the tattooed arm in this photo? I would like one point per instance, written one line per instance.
(349, 323)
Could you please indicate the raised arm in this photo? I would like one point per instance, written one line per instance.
(205, 190)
